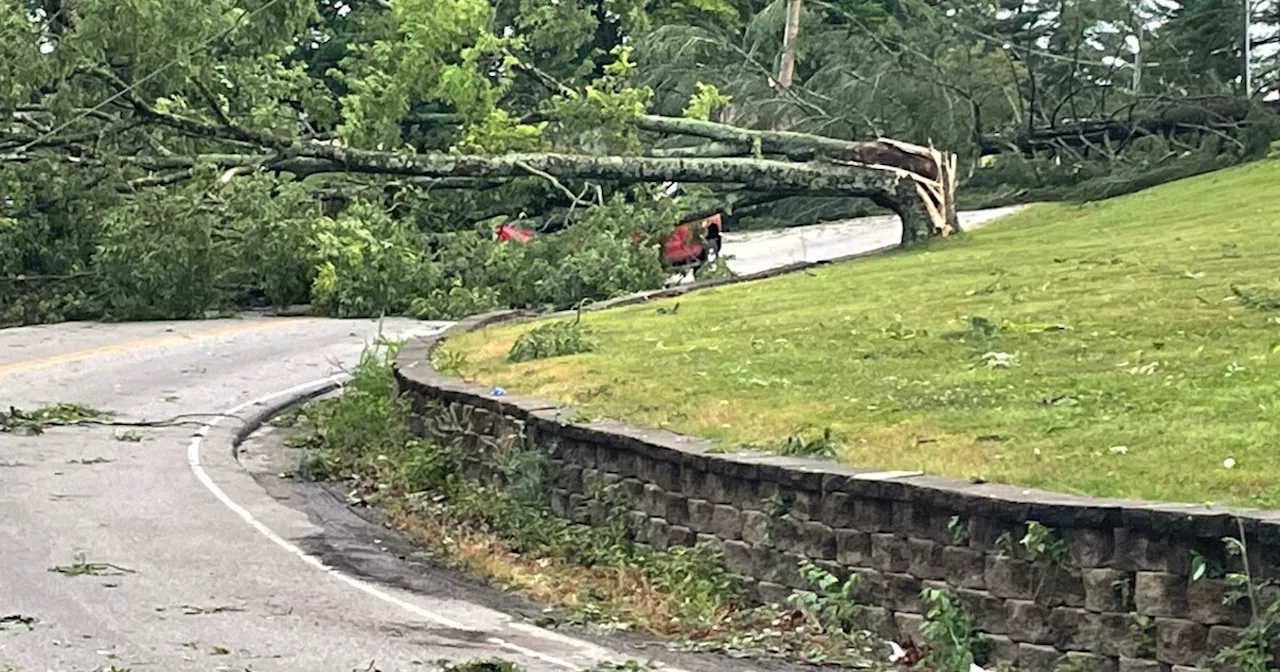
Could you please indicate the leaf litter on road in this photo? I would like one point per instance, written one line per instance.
(189, 610)
(29, 622)
(34, 422)
(82, 568)
(89, 460)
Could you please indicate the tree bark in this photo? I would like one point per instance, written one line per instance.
(1177, 118)
(895, 188)
(787, 66)
(932, 171)
(915, 182)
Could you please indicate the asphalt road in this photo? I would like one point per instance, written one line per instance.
(209, 565)
(754, 251)
(213, 575)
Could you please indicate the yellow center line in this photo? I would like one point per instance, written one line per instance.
(128, 346)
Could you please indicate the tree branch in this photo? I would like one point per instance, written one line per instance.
(213, 103)
(573, 199)
(187, 125)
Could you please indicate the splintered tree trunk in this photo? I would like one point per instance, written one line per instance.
(924, 199)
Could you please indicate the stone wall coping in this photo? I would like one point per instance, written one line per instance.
(413, 369)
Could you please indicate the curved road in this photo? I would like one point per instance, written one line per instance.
(208, 568)
(753, 251)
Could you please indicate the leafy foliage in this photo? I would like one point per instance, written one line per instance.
(830, 601)
(37, 420)
(1042, 546)
(1256, 648)
(553, 339)
(1255, 299)
(797, 445)
(123, 121)
(598, 571)
(949, 632)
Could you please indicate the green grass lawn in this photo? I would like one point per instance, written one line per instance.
(1095, 349)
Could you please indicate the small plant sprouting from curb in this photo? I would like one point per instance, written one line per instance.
(448, 360)
(948, 630)
(628, 666)
(89, 460)
(823, 447)
(831, 601)
(1254, 651)
(958, 530)
(553, 339)
(1043, 546)
(499, 665)
(486, 665)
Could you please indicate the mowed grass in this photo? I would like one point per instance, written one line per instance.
(1121, 363)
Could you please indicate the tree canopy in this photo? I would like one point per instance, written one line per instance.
(167, 158)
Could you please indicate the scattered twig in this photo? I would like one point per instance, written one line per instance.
(64, 415)
(188, 610)
(554, 182)
(18, 619)
(82, 568)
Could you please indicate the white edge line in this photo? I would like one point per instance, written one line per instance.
(193, 460)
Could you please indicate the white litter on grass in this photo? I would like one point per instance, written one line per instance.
(898, 654)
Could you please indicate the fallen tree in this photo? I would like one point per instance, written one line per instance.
(924, 204)
(915, 182)
(1223, 117)
(360, 163)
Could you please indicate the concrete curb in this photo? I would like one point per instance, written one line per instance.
(265, 414)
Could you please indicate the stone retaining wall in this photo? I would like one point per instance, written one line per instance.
(1112, 592)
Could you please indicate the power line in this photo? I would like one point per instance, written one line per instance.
(152, 75)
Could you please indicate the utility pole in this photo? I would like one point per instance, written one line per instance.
(1248, 48)
(1137, 59)
(787, 68)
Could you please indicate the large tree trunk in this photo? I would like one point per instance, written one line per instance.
(914, 197)
(931, 172)
(922, 201)
(918, 183)
(1178, 118)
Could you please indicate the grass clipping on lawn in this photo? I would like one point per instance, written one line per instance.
(1114, 349)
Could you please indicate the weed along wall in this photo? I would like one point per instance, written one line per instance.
(1054, 581)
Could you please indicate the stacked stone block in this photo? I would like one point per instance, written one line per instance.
(1120, 600)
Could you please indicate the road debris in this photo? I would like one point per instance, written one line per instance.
(82, 568)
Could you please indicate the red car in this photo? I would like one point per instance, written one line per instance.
(680, 249)
(684, 248)
(508, 231)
